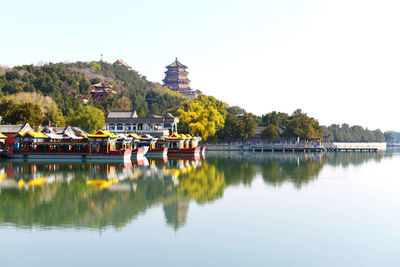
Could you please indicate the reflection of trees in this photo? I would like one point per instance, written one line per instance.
(355, 159)
(236, 171)
(67, 200)
(204, 184)
(296, 171)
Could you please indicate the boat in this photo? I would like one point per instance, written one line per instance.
(156, 149)
(37, 145)
(138, 151)
(181, 145)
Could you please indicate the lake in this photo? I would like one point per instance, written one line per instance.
(260, 209)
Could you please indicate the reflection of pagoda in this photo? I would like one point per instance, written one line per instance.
(176, 79)
(176, 212)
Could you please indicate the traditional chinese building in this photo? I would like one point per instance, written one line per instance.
(176, 79)
(101, 90)
(129, 122)
(120, 62)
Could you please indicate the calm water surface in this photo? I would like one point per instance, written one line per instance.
(271, 209)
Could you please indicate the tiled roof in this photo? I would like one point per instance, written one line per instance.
(176, 63)
(15, 128)
(102, 84)
(122, 114)
(154, 116)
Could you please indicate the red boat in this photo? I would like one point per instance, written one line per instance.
(156, 149)
(181, 145)
(98, 146)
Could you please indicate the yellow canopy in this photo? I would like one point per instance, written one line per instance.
(102, 134)
(2, 136)
(176, 136)
(32, 134)
(135, 136)
(188, 136)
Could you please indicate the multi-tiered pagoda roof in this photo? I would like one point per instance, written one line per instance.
(176, 77)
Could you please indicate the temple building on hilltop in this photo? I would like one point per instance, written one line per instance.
(176, 79)
(129, 122)
(120, 62)
(101, 90)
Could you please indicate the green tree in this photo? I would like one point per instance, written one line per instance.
(55, 118)
(122, 103)
(13, 75)
(302, 126)
(87, 117)
(231, 127)
(270, 132)
(235, 110)
(388, 136)
(24, 113)
(275, 118)
(247, 126)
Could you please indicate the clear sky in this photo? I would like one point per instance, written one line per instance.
(337, 60)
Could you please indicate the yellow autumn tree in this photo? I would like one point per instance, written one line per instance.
(201, 116)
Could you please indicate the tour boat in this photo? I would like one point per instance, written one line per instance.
(37, 145)
(156, 149)
(138, 150)
(202, 150)
(180, 145)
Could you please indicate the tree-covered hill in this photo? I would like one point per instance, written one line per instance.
(69, 84)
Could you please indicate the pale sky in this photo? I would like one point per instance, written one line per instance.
(337, 60)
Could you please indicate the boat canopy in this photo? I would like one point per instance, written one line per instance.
(188, 136)
(54, 136)
(135, 136)
(147, 137)
(102, 134)
(176, 136)
(71, 136)
(31, 134)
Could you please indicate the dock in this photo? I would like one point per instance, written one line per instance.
(302, 147)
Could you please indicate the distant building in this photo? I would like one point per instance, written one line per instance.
(176, 79)
(120, 62)
(101, 90)
(128, 122)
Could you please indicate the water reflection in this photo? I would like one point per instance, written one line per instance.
(99, 195)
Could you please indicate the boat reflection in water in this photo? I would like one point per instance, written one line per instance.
(101, 195)
(94, 195)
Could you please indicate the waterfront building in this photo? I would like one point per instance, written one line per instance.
(101, 90)
(176, 79)
(129, 122)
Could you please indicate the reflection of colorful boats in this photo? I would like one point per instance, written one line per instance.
(102, 183)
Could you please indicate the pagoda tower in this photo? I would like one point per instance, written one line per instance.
(176, 77)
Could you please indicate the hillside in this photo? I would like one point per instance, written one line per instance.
(69, 84)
